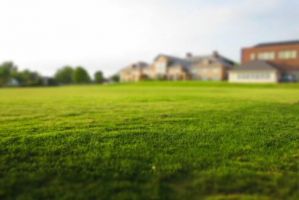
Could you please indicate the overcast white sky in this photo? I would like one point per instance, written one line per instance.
(109, 34)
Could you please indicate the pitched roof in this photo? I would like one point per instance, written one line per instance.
(137, 65)
(172, 59)
(257, 65)
(187, 62)
(293, 42)
(216, 58)
(140, 64)
(175, 61)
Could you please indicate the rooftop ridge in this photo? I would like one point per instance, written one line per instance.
(290, 42)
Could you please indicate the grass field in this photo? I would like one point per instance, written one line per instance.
(186, 140)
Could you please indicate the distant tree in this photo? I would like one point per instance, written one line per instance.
(29, 78)
(7, 71)
(64, 75)
(115, 78)
(99, 77)
(81, 76)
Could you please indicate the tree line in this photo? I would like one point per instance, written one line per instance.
(10, 75)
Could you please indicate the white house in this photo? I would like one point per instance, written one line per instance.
(255, 72)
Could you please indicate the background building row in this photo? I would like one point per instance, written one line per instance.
(262, 63)
(165, 67)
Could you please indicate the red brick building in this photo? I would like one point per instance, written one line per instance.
(280, 58)
(280, 53)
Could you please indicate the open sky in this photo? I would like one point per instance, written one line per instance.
(109, 34)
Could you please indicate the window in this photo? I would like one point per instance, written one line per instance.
(266, 56)
(252, 56)
(161, 68)
(287, 54)
(254, 76)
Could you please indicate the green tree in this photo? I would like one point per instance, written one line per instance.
(64, 75)
(80, 76)
(29, 78)
(99, 77)
(7, 71)
(115, 78)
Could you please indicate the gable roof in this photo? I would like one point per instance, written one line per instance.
(214, 57)
(175, 61)
(167, 56)
(187, 62)
(171, 59)
(137, 65)
(292, 42)
(140, 65)
(257, 65)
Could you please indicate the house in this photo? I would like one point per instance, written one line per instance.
(283, 55)
(257, 71)
(135, 72)
(210, 67)
(170, 68)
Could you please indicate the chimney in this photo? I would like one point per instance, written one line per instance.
(189, 55)
(215, 54)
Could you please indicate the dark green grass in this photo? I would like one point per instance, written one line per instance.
(150, 140)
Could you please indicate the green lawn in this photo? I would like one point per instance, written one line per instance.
(186, 140)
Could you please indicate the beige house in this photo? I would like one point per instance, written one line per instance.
(170, 68)
(211, 67)
(177, 72)
(255, 72)
(134, 72)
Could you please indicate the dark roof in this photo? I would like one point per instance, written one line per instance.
(140, 64)
(187, 62)
(216, 58)
(293, 42)
(170, 58)
(137, 65)
(175, 61)
(257, 65)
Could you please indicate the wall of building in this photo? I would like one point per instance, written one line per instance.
(254, 76)
(248, 52)
(208, 72)
(159, 67)
(176, 73)
(130, 75)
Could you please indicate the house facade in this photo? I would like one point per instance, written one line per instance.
(165, 67)
(283, 56)
(170, 68)
(257, 71)
(211, 67)
(134, 72)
